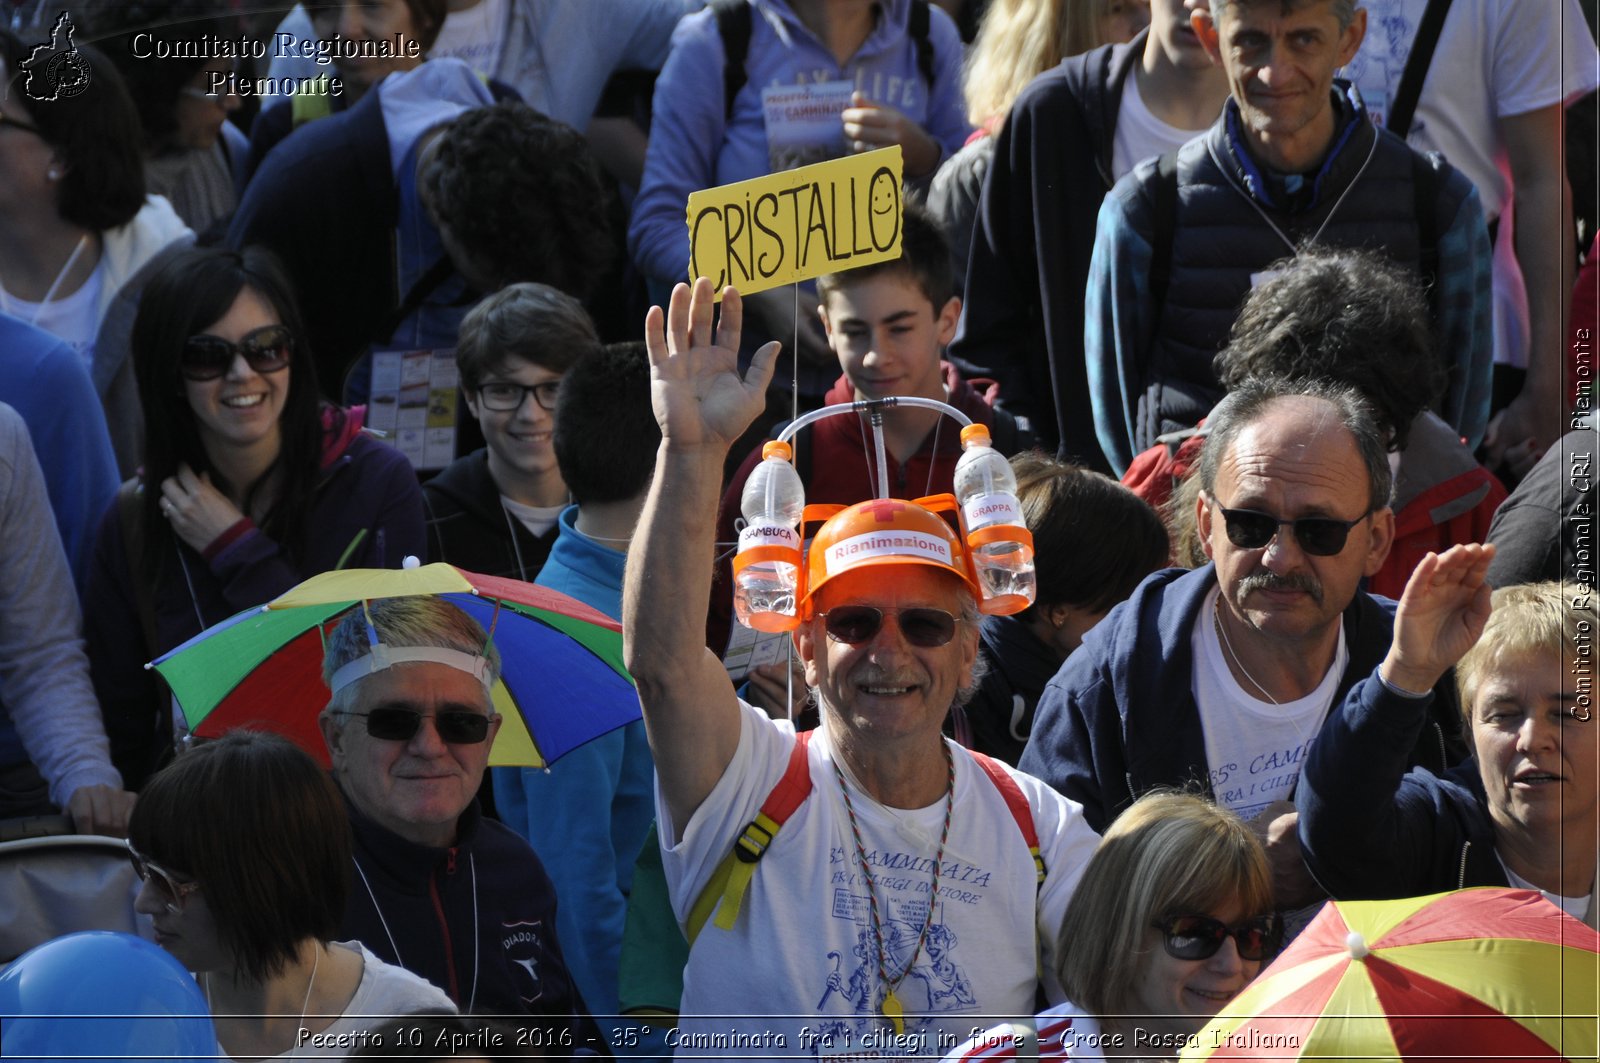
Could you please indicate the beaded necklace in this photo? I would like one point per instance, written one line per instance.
(891, 1008)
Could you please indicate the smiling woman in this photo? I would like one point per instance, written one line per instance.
(249, 484)
(1171, 920)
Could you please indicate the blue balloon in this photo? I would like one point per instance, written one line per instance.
(104, 995)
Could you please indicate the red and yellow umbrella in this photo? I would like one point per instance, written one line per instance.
(561, 683)
(1475, 974)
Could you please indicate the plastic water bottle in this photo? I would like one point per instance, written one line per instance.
(991, 519)
(766, 570)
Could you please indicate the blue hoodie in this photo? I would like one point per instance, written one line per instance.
(693, 146)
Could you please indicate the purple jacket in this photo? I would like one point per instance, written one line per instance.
(366, 487)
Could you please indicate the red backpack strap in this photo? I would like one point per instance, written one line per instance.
(725, 891)
(1017, 804)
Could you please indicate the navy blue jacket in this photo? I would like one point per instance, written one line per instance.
(1369, 828)
(478, 919)
(1120, 718)
(1022, 322)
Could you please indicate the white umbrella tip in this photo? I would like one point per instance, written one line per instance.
(411, 561)
(1357, 946)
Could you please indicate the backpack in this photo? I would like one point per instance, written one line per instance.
(735, 21)
(725, 891)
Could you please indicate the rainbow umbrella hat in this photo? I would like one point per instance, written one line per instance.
(1475, 974)
(562, 681)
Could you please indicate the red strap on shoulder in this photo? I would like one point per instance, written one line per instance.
(795, 786)
(1015, 800)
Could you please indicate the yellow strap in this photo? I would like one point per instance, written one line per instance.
(724, 892)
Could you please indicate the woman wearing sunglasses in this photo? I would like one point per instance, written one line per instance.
(250, 484)
(1172, 918)
(244, 850)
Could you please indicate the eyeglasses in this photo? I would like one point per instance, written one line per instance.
(1198, 937)
(175, 890)
(1250, 529)
(401, 725)
(267, 349)
(18, 123)
(855, 624)
(502, 397)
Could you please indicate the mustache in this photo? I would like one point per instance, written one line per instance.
(1271, 581)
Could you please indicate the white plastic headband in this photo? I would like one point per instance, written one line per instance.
(385, 656)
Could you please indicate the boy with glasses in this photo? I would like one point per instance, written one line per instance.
(494, 511)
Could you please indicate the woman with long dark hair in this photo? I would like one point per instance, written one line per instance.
(250, 484)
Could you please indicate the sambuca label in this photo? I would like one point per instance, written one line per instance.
(768, 534)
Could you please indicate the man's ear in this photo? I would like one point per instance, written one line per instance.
(332, 735)
(1350, 40)
(1202, 522)
(822, 315)
(1205, 28)
(805, 644)
(1379, 542)
(949, 316)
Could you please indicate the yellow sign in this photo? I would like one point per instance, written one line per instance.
(798, 224)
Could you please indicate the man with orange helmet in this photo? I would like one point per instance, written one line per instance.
(881, 835)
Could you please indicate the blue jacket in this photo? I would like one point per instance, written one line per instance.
(694, 146)
(44, 380)
(1120, 718)
(1022, 321)
(475, 919)
(1371, 829)
(590, 812)
(1150, 367)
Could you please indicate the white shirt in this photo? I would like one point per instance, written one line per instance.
(537, 519)
(473, 36)
(1254, 748)
(74, 318)
(1573, 906)
(1140, 134)
(803, 953)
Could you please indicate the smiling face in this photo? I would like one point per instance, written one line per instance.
(1280, 68)
(1540, 765)
(1177, 997)
(1295, 460)
(418, 787)
(240, 409)
(886, 688)
(887, 336)
(522, 456)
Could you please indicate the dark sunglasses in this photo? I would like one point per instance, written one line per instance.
(267, 349)
(169, 883)
(1198, 937)
(855, 624)
(1249, 529)
(502, 397)
(400, 725)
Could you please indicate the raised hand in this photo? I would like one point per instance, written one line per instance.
(1441, 615)
(699, 396)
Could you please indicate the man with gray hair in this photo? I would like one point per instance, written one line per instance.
(1221, 677)
(440, 890)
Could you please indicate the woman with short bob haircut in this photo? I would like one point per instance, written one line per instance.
(245, 851)
(1172, 919)
(250, 484)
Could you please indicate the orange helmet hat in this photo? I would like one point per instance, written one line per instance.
(886, 531)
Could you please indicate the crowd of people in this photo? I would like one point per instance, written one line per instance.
(1271, 305)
